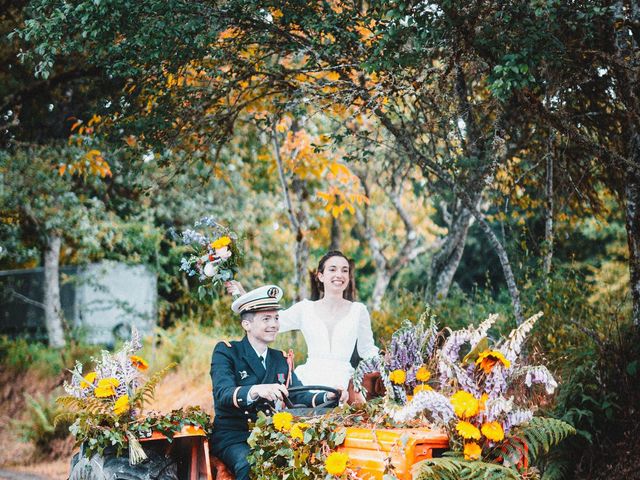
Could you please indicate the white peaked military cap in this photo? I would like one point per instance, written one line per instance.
(259, 299)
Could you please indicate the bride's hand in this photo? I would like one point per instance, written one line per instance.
(234, 287)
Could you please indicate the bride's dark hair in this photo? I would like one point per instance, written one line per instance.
(317, 288)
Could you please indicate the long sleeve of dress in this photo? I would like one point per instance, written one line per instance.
(366, 345)
(291, 318)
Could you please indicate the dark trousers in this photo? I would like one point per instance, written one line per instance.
(235, 458)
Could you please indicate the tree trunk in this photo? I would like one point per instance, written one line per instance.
(301, 276)
(298, 225)
(52, 307)
(506, 266)
(548, 214)
(444, 263)
(632, 210)
(336, 234)
(380, 288)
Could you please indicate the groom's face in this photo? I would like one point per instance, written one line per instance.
(263, 327)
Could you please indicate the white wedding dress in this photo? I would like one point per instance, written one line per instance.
(328, 357)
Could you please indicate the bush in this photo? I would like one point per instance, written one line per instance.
(21, 355)
(188, 343)
(38, 426)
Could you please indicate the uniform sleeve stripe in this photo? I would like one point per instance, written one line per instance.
(235, 397)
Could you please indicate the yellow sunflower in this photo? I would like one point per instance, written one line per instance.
(464, 404)
(421, 388)
(468, 431)
(490, 358)
(122, 405)
(493, 431)
(106, 387)
(472, 451)
(89, 378)
(221, 242)
(336, 463)
(398, 376)
(297, 431)
(423, 374)
(282, 421)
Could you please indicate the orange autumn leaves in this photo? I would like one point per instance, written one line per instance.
(310, 158)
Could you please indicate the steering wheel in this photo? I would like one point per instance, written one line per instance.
(307, 388)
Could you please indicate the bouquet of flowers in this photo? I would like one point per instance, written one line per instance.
(105, 403)
(215, 255)
(483, 395)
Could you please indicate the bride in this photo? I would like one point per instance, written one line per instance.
(332, 324)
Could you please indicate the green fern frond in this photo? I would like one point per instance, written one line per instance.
(65, 418)
(146, 392)
(89, 405)
(452, 468)
(557, 469)
(537, 437)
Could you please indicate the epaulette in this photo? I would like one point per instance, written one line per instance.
(226, 342)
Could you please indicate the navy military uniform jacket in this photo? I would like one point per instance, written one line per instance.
(235, 368)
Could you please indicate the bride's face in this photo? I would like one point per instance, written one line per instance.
(335, 276)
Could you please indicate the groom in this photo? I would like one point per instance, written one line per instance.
(247, 375)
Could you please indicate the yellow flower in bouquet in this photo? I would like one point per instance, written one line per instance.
(472, 451)
(88, 380)
(468, 430)
(398, 376)
(282, 421)
(464, 404)
(221, 242)
(122, 405)
(297, 431)
(421, 388)
(106, 387)
(490, 358)
(483, 402)
(139, 362)
(493, 431)
(336, 463)
(423, 374)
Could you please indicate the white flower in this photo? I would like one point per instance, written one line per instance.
(210, 269)
(223, 253)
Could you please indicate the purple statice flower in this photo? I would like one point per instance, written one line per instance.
(455, 374)
(135, 344)
(75, 387)
(515, 418)
(477, 334)
(452, 345)
(497, 407)
(431, 335)
(496, 383)
(541, 375)
(404, 350)
(512, 346)
(368, 365)
(431, 404)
